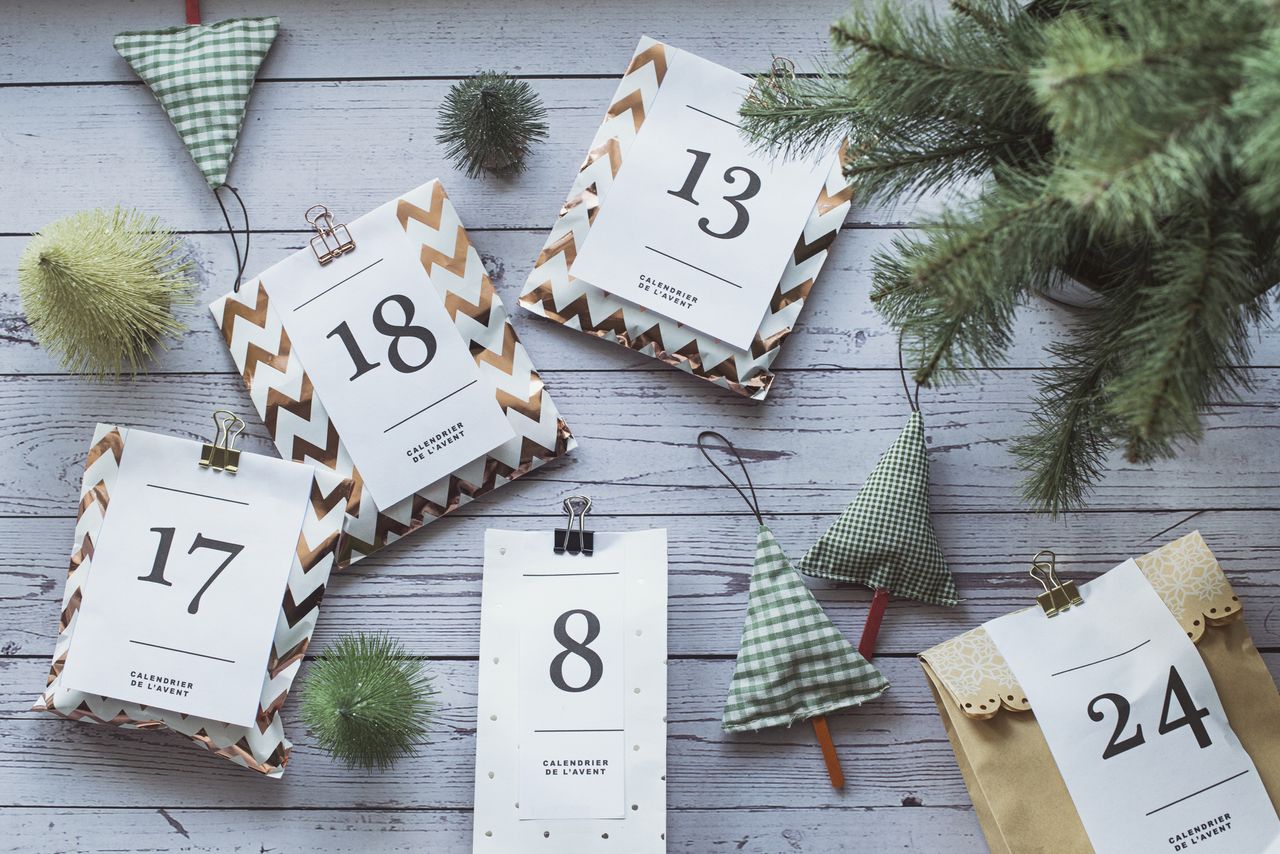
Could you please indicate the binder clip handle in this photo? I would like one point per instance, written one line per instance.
(221, 453)
(580, 540)
(332, 239)
(1058, 595)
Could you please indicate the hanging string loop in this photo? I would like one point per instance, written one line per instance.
(912, 400)
(753, 502)
(241, 260)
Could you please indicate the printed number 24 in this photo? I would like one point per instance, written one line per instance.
(394, 331)
(161, 561)
(685, 192)
(1175, 690)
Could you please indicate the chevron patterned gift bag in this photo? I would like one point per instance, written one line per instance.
(205, 644)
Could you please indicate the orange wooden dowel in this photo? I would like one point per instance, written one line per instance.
(829, 752)
(871, 629)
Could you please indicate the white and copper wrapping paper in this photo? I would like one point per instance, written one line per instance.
(552, 292)
(262, 747)
(296, 417)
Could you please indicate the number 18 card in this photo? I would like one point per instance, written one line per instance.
(382, 352)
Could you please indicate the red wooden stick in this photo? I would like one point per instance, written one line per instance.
(829, 752)
(193, 11)
(867, 644)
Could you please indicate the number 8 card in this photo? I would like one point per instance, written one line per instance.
(385, 354)
(571, 728)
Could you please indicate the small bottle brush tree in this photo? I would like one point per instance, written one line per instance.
(489, 122)
(367, 702)
(98, 288)
(1131, 144)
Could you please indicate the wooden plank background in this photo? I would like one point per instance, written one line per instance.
(345, 112)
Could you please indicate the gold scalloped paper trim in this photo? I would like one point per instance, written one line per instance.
(1185, 575)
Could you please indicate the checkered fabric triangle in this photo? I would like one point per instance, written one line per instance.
(885, 538)
(793, 664)
(202, 74)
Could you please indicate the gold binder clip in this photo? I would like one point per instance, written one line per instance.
(1058, 595)
(221, 453)
(332, 239)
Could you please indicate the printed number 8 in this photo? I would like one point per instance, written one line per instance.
(581, 649)
(393, 331)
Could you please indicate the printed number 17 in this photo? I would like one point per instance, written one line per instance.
(201, 542)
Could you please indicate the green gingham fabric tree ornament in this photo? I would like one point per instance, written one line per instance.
(202, 75)
(793, 663)
(885, 538)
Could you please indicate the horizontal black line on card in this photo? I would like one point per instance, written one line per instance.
(1101, 660)
(559, 574)
(336, 284)
(183, 651)
(198, 494)
(714, 116)
(578, 730)
(694, 267)
(1198, 792)
(428, 406)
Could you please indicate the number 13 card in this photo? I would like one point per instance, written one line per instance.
(680, 237)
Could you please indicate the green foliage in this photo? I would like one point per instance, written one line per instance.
(1131, 144)
(367, 702)
(98, 287)
(489, 122)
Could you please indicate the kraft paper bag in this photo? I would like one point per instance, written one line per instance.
(1018, 794)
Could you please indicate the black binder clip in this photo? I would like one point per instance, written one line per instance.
(332, 239)
(580, 540)
(221, 453)
(1058, 595)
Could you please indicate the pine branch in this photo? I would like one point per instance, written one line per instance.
(1257, 107)
(1189, 341)
(954, 294)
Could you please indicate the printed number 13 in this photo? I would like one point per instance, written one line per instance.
(161, 561)
(685, 192)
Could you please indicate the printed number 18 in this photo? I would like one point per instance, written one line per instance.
(394, 331)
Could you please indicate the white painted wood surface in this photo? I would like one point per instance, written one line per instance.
(345, 112)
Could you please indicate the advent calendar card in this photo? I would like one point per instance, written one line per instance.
(571, 732)
(189, 570)
(699, 225)
(680, 238)
(393, 364)
(399, 383)
(1135, 724)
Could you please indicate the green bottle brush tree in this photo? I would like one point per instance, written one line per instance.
(1130, 144)
(489, 122)
(367, 702)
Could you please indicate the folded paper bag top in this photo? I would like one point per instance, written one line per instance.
(1185, 575)
(1017, 788)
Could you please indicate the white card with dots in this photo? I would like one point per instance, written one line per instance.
(571, 716)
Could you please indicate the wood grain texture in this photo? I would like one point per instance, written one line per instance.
(810, 445)
(327, 831)
(346, 113)
(838, 329)
(330, 39)
(349, 144)
(427, 588)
